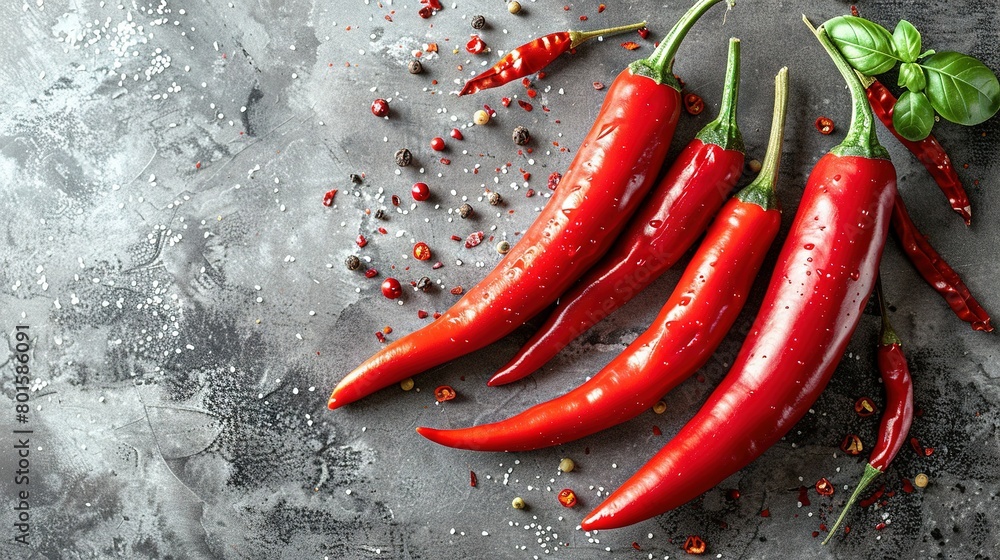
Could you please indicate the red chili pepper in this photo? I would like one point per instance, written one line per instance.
(444, 393)
(707, 300)
(898, 416)
(928, 151)
(675, 214)
(612, 171)
(817, 294)
(936, 271)
(567, 498)
(535, 55)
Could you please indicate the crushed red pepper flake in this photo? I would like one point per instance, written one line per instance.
(421, 314)
(804, 496)
(473, 481)
(630, 45)
(361, 240)
(444, 393)
(371, 273)
(567, 498)
(598, 86)
(824, 487)
(864, 407)
(380, 336)
(457, 290)
(601, 8)
(505, 101)
(657, 431)
(695, 545)
(328, 197)
(851, 445)
(421, 251)
(907, 486)
(525, 105)
(876, 496)
(693, 104)
(635, 545)
(553, 181)
(474, 239)
(644, 32)
(765, 513)
(824, 125)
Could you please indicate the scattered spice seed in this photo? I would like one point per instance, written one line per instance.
(694, 545)
(494, 198)
(380, 336)
(630, 45)
(353, 262)
(824, 125)
(437, 144)
(371, 273)
(823, 487)
(567, 465)
(424, 284)
(481, 117)
(420, 191)
(864, 407)
(421, 314)
(921, 480)
(754, 165)
(732, 494)
(403, 157)
(503, 247)
(765, 513)
(478, 22)
(355, 178)
(444, 393)
(474, 239)
(473, 481)
(415, 66)
(598, 86)
(391, 288)
(380, 107)
(851, 445)
(660, 407)
(406, 384)
(553, 181)
(457, 291)
(514, 6)
(475, 45)
(380, 214)
(635, 545)
(328, 197)
(456, 134)
(693, 104)
(567, 498)
(521, 136)
(465, 210)
(518, 503)
(421, 251)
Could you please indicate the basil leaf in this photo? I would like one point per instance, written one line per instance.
(913, 116)
(911, 76)
(906, 41)
(960, 88)
(865, 45)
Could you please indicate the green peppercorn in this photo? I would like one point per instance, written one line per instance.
(465, 210)
(514, 6)
(503, 247)
(495, 199)
(521, 136)
(478, 22)
(404, 157)
(567, 465)
(353, 262)
(518, 503)
(415, 67)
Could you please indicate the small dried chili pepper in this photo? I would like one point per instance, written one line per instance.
(796, 340)
(694, 545)
(693, 104)
(898, 416)
(567, 498)
(444, 393)
(535, 55)
(824, 125)
(864, 407)
(936, 271)
(851, 444)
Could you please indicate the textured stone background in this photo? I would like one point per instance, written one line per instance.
(163, 164)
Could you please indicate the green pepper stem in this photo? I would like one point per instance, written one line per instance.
(577, 37)
(871, 473)
(659, 67)
(860, 139)
(723, 131)
(762, 190)
(889, 336)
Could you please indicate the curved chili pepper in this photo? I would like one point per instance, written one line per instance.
(929, 151)
(614, 168)
(699, 313)
(675, 214)
(825, 273)
(936, 271)
(535, 55)
(898, 415)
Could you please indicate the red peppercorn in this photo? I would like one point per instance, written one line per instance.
(437, 143)
(421, 251)
(395, 200)
(567, 498)
(380, 107)
(371, 273)
(420, 191)
(391, 288)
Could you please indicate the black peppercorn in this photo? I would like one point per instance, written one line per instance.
(478, 22)
(353, 262)
(465, 210)
(415, 67)
(521, 136)
(380, 214)
(404, 157)
(424, 284)
(355, 178)
(495, 198)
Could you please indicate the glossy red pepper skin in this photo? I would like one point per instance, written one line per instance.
(936, 271)
(825, 273)
(612, 171)
(678, 211)
(522, 61)
(928, 151)
(898, 415)
(699, 313)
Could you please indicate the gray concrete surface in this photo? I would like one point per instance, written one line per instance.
(162, 166)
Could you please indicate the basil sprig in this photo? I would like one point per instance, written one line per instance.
(957, 86)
